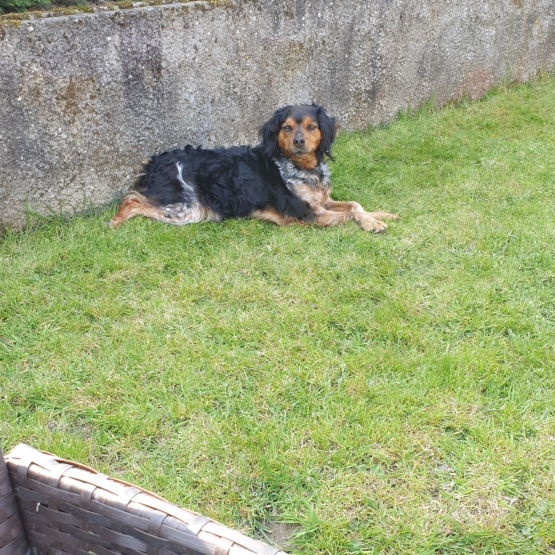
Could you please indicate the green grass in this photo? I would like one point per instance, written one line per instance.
(385, 394)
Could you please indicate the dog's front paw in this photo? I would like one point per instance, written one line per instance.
(370, 224)
(384, 216)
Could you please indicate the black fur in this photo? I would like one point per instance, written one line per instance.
(233, 182)
(236, 181)
(328, 128)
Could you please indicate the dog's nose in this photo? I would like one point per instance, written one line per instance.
(298, 140)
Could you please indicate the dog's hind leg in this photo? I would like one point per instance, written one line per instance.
(136, 204)
(181, 214)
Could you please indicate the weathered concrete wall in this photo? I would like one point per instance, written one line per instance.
(84, 98)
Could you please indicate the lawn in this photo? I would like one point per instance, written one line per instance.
(388, 393)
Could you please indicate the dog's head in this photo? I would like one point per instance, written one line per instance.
(303, 134)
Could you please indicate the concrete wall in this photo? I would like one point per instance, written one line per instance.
(84, 98)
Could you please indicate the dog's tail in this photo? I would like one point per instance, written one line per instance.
(140, 179)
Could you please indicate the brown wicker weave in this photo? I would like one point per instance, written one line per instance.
(66, 507)
(12, 537)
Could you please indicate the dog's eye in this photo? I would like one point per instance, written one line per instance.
(287, 128)
(311, 127)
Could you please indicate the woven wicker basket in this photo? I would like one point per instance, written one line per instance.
(65, 507)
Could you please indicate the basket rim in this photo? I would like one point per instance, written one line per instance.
(25, 447)
(23, 457)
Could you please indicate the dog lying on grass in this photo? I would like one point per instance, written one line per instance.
(283, 180)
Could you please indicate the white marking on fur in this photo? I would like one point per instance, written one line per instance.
(187, 187)
(317, 178)
(193, 215)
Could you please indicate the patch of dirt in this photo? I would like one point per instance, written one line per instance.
(281, 534)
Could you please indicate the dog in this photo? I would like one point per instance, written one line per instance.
(283, 180)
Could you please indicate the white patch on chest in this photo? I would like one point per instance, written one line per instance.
(318, 178)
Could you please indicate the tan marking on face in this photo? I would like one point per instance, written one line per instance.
(286, 135)
(312, 134)
(304, 156)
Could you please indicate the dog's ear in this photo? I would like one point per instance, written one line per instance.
(328, 128)
(269, 131)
